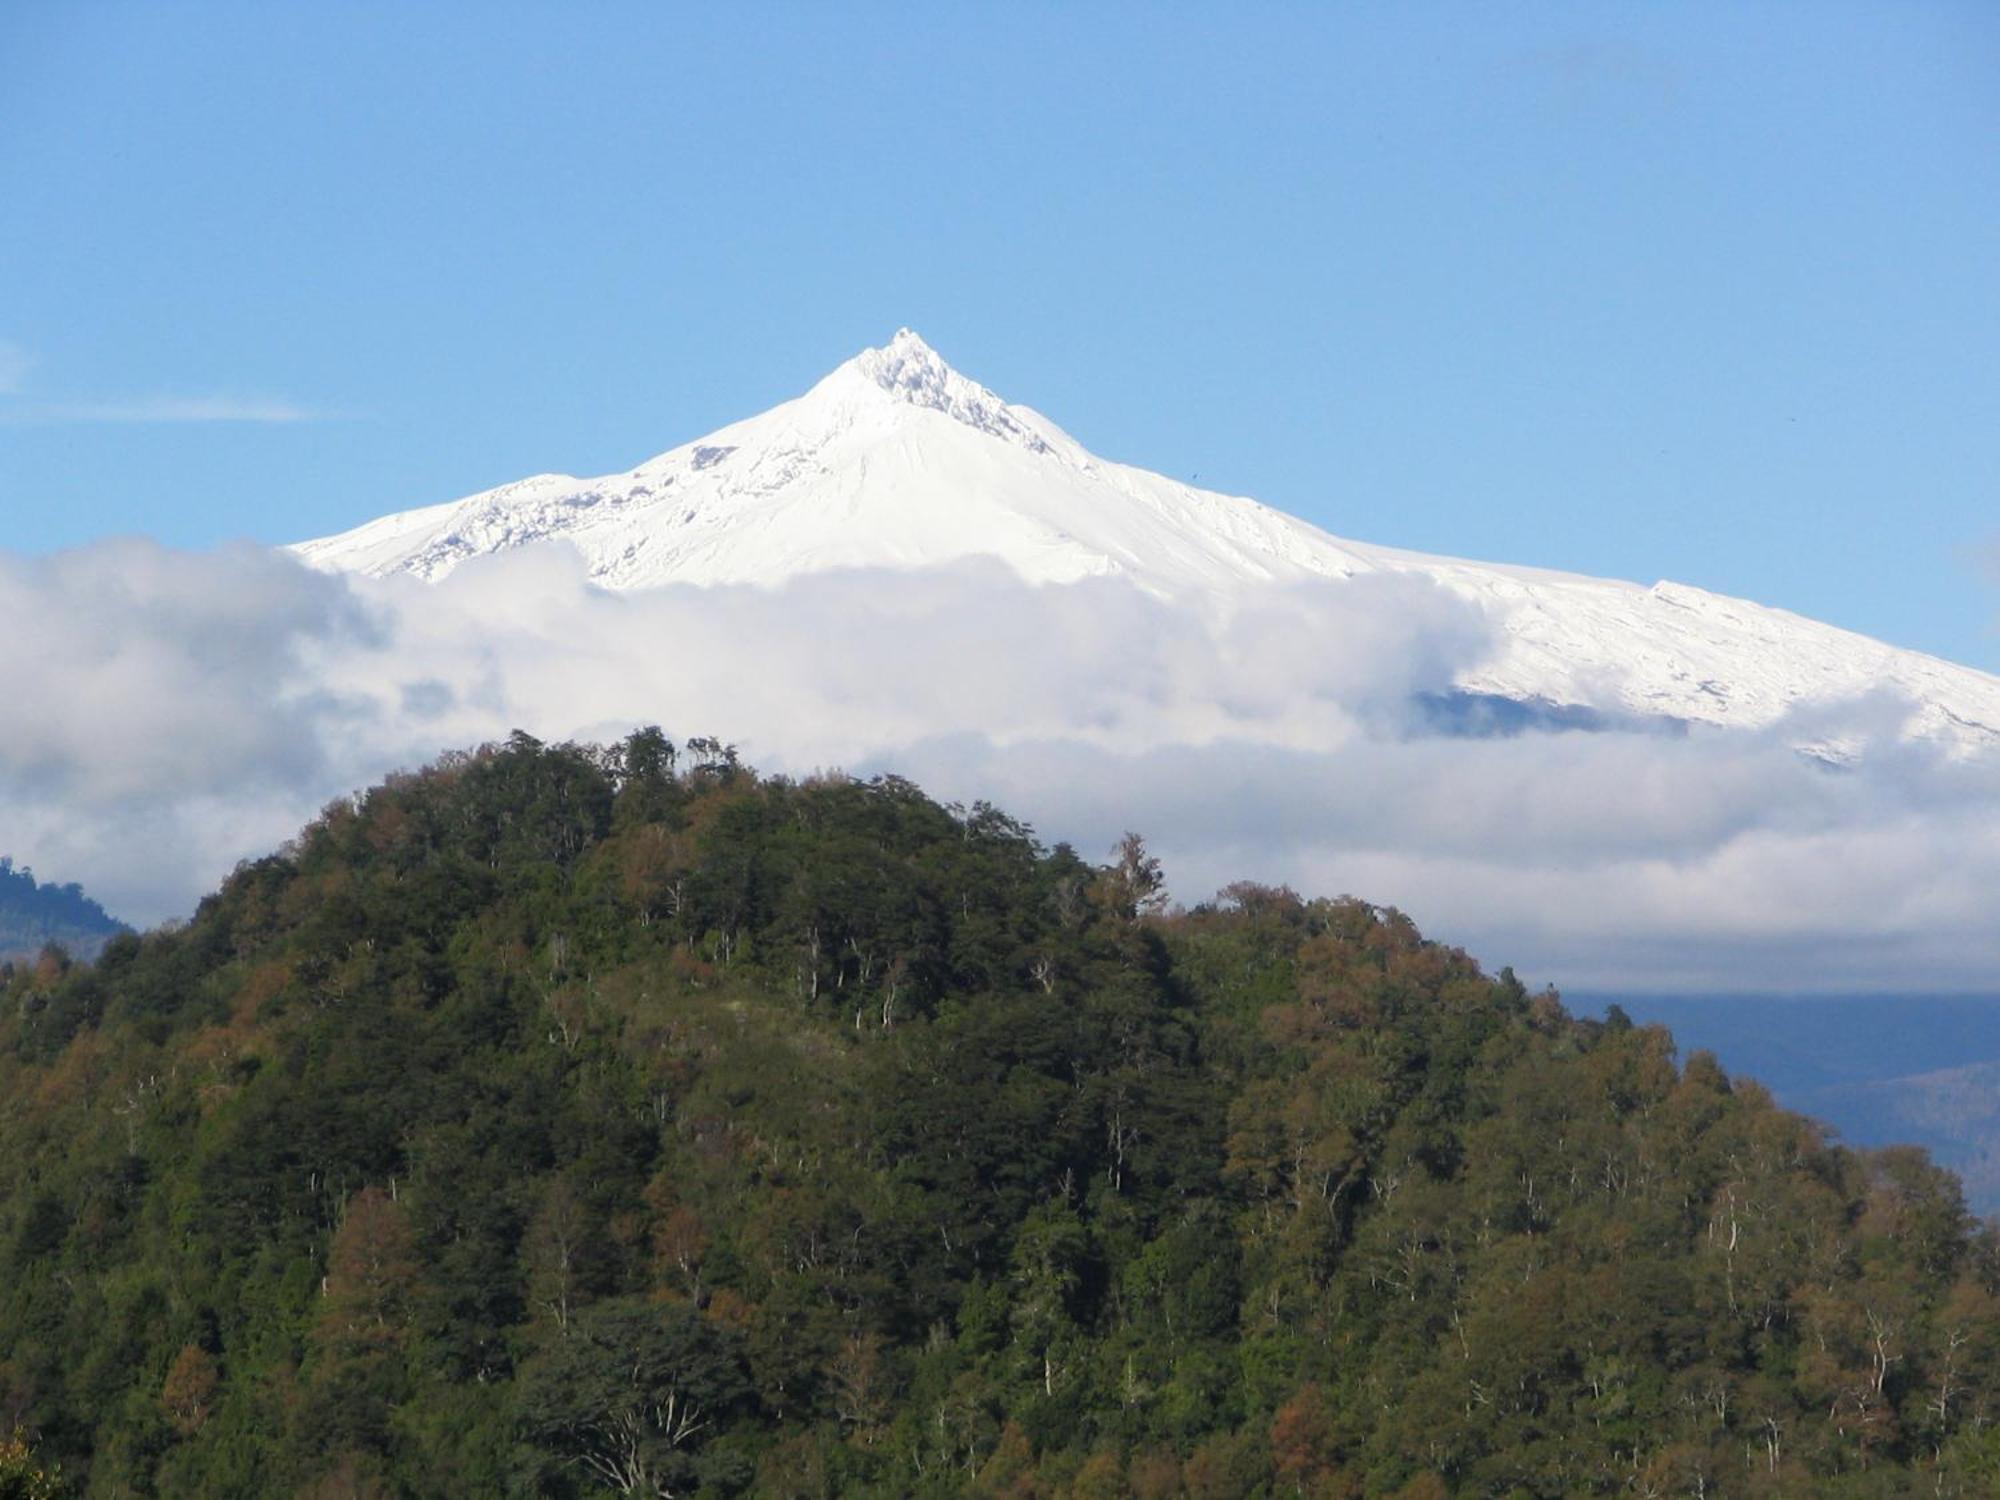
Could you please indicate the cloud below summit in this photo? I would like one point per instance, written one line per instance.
(173, 712)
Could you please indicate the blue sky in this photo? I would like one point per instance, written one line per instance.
(1697, 291)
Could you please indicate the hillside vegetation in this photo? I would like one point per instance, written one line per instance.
(567, 1121)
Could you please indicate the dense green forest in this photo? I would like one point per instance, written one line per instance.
(564, 1121)
(34, 914)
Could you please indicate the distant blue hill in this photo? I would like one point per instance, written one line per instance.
(1880, 1069)
(34, 915)
(1463, 715)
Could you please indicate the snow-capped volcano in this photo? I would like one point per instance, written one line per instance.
(895, 460)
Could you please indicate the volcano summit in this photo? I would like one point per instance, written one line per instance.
(897, 461)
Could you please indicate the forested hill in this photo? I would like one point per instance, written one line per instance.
(564, 1121)
(34, 915)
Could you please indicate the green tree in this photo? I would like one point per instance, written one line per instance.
(632, 1393)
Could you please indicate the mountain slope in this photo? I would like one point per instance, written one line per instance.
(896, 460)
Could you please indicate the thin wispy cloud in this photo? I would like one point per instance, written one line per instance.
(1985, 560)
(144, 409)
(15, 362)
(1986, 557)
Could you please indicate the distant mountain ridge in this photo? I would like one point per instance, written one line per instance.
(895, 460)
(34, 915)
(1932, 1078)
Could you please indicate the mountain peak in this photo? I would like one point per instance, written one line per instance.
(909, 370)
(906, 363)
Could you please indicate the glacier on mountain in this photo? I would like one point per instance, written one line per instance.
(895, 460)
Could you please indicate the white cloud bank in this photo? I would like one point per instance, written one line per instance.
(167, 713)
